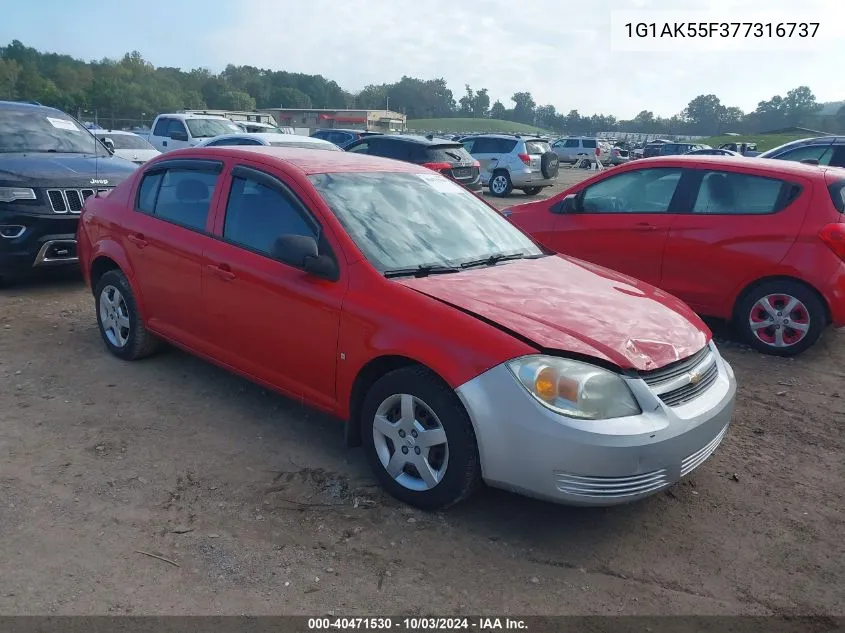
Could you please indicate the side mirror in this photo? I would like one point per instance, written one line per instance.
(177, 135)
(301, 251)
(810, 161)
(109, 144)
(569, 204)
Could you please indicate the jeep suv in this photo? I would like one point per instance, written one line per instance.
(513, 162)
(49, 164)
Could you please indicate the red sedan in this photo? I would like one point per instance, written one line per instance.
(455, 347)
(759, 242)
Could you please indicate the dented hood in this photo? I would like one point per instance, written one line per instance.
(561, 303)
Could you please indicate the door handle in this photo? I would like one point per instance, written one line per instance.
(137, 239)
(222, 270)
(164, 143)
(644, 226)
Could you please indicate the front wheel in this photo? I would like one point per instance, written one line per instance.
(419, 440)
(782, 318)
(119, 320)
(532, 191)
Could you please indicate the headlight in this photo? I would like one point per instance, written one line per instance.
(574, 389)
(10, 194)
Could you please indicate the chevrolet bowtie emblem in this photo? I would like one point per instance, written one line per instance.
(695, 378)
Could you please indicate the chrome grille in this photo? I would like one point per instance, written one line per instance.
(611, 487)
(684, 380)
(69, 200)
(695, 460)
(676, 369)
(690, 391)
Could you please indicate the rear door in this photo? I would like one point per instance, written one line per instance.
(487, 150)
(740, 225)
(622, 221)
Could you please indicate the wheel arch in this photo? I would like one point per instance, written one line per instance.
(110, 256)
(750, 287)
(366, 378)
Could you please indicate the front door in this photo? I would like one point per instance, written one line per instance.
(164, 240)
(274, 322)
(622, 222)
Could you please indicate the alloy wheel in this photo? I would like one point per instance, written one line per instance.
(779, 320)
(114, 316)
(499, 184)
(410, 442)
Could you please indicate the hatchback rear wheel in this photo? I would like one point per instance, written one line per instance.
(782, 318)
(419, 440)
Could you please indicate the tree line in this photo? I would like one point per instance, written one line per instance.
(132, 89)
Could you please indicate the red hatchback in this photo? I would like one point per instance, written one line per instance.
(457, 349)
(756, 241)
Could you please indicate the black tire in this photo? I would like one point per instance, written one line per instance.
(139, 341)
(463, 468)
(504, 192)
(532, 191)
(550, 165)
(813, 310)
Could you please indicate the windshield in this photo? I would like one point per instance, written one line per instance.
(330, 147)
(37, 130)
(206, 128)
(125, 141)
(401, 220)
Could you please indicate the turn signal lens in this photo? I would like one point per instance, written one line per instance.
(545, 384)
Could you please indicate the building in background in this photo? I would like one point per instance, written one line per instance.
(318, 119)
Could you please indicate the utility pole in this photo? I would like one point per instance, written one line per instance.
(387, 107)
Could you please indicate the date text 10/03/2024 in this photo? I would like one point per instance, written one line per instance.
(680, 30)
(417, 624)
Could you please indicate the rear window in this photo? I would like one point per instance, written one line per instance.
(837, 195)
(448, 154)
(537, 147)
(589, 143)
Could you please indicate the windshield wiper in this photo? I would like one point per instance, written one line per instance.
(495, 258)
(421, 271)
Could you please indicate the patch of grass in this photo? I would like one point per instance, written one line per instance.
(764, 141)
(466, 126)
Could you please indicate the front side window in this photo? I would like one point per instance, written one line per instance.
(402, 220)
(258, 214)
(641, 191)
(738, 194)
(180, 196)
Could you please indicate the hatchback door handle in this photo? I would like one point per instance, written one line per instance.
(223, 271)
(137, 239)
(644, 226)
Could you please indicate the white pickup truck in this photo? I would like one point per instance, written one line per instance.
(180, 130)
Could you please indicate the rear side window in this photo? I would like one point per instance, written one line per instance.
(536, 147)
(447, 154)
(589, 142)
(180, 196)
(728, 193)
(837, 195)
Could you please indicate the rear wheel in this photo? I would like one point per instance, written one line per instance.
(419, 440)
(500, 184)
(532, 191)
(782, 318)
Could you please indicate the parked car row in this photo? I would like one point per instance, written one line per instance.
(458, 343)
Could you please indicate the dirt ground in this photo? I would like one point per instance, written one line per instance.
(259, 508)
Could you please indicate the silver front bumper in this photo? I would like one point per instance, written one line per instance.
(529, 449)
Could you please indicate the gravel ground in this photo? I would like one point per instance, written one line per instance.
(254, 505)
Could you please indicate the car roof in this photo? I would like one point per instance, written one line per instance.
(345, 129)
(24, 105)
(419, 139)
(308, 161)
(100, 132)
(510, 137)
(771, 165)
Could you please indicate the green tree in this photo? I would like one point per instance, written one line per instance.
(523, 110)
(466, 102)
(497, 111)
(481, 104)
(9, 72)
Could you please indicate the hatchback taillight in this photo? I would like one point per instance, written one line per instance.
(525, 158)
(833, 235)
(441, 167)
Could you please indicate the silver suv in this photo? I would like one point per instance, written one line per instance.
(511, 162)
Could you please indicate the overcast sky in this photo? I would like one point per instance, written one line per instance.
(559, 50)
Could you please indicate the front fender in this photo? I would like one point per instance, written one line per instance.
(113, 250)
